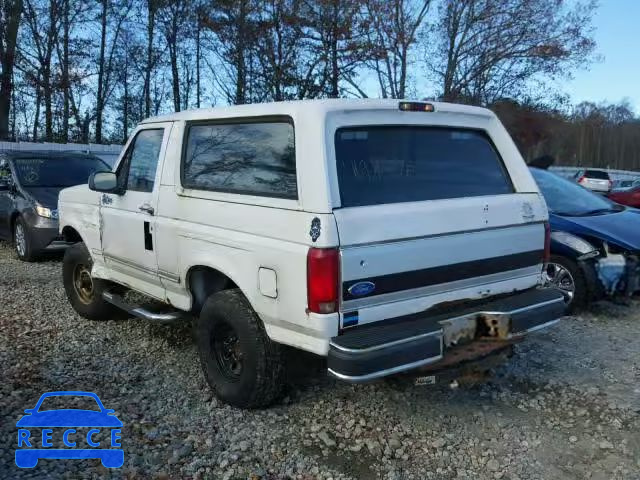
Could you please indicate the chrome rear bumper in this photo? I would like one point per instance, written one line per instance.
(397, 345)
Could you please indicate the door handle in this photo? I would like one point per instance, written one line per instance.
(145, 207)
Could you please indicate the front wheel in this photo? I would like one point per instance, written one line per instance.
(242, 365)
(22, 241)
(567, 276)
(83, 291)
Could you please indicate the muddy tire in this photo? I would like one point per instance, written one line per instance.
(83, 291)
(241, 364)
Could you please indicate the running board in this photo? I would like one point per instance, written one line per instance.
(140, 312)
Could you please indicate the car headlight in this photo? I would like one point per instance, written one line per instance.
(576, 243)
(46, 212)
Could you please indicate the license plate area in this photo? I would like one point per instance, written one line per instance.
(424, 380)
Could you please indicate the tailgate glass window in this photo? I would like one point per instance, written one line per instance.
(393, 164)
(597, 174)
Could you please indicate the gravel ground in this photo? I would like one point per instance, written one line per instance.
(566, 406)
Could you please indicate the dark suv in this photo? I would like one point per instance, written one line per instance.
(29, 186)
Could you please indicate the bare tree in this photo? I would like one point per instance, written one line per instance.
(336, 40)
(285, 71)
(393, 29)
(10, 12)
(198, 41)
(117, 14)
(73, 53)
(42, 21)
(152, 7)
(234, 24)
(487, 49)
(173, 18)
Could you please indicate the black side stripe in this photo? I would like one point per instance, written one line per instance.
(396, 282)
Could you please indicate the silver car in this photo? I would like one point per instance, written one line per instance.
(595, 180)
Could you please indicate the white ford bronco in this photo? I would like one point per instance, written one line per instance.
(384, 235)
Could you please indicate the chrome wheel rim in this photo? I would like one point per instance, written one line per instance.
(20, 240)
(561, 278)
(83, 283)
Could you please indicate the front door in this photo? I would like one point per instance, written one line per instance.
(128, 222)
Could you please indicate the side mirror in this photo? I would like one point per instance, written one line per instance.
(29, 411)
(106, 182)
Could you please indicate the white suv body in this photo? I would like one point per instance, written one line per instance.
(595, 180)
(320, 214)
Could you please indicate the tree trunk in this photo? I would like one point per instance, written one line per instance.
(198, 61)
(335, 92)
(65, 72)
(125, 102)
(403, 73)
(175, 75)
(149, 65)
(13, 115)
(240, 57)
(47, 94)
(100, 95)
(36, 118)
(7, 58)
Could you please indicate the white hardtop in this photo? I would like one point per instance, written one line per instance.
(316, 122)
(318, 108)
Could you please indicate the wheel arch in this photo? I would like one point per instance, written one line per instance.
(203, 281)
(71, 235)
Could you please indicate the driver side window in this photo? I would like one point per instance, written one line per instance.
(138, 170)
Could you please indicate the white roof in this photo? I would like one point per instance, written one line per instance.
(315, 107)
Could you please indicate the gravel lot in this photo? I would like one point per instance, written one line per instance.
(567, 406)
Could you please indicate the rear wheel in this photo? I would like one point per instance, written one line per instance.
(566, 275)
(22, 241)
(242, 365)
(83, 291)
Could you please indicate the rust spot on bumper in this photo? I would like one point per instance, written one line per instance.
(471, 352)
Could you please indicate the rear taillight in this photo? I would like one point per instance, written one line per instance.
(610, 184)
(323, 276)
(547, 243)
(581, 179)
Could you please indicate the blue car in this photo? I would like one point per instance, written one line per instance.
(38, 429)
(595, 243)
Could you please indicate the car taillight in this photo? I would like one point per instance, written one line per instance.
(547, 243)
(610, 184)
(581, 179)
(323, 276)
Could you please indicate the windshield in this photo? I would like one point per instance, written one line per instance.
(57, 172)
(392, 164)
(564, 197)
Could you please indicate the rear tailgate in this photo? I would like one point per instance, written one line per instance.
(430, 215)
(424, 258)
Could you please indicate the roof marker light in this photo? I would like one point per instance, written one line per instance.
(416, 107)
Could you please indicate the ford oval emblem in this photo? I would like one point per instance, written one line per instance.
(361, 289)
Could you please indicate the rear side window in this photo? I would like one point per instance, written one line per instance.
(254, 158)
(599, 174)
(393, 164)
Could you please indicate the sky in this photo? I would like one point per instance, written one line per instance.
(617, 76)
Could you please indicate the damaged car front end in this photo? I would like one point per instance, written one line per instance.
(595, 243)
